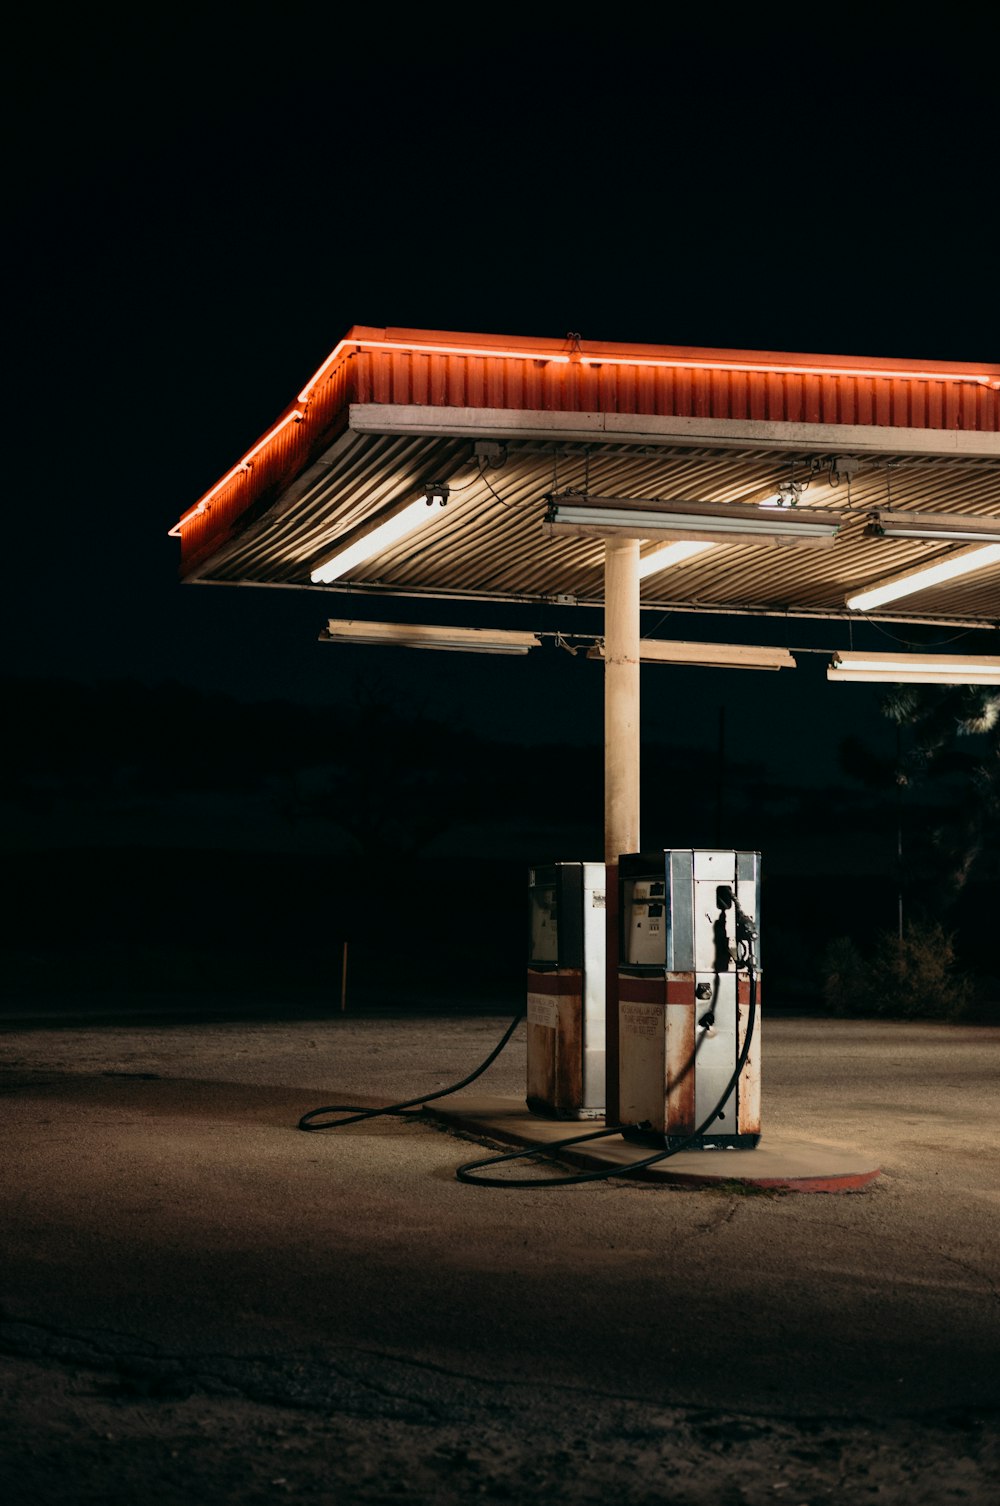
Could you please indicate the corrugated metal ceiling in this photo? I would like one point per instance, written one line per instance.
(391, 411)
(489, 542)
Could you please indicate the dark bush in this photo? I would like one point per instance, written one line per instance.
(911, 978)
(844, 978)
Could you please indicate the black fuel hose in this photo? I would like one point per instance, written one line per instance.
(466, 1173)
(307, 1122)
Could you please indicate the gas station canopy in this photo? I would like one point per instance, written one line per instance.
(494, 469)
(488, 469)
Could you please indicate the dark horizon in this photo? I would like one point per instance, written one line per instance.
(204, 206)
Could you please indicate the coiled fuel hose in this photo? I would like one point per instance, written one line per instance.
(467, 1173)
(312, 1121)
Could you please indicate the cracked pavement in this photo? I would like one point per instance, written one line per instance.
(238, 1304)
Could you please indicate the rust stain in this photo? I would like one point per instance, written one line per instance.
(680, 1065)
(748, 1088)
(555, 1045)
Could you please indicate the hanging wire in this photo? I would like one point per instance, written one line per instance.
(912, 642)
(491, 488)
(453, 487)
(658, 623)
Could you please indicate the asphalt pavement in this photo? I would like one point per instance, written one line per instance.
(159, 1201)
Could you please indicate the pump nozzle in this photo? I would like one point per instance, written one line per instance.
(746, 935)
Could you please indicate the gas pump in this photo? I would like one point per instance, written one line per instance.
(687, 962)
(566, 981)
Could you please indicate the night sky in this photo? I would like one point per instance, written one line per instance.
(202, 207)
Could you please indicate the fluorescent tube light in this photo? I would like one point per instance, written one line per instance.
(370, 540)
(661, 556)
(419, 635)
(930, 669)
(961, 562)
(932, 525)
(721, 522)
(707, 655)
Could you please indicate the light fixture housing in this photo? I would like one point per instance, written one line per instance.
(927, 669)
(719, 522)
(421, 635)
(884, 524)
(707, 655)
(948, 567)
(380, 533)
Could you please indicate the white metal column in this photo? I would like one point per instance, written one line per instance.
(621, 763)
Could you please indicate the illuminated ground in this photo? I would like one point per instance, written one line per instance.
(200, 1302)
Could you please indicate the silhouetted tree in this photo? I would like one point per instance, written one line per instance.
(392, 782)
(942, 722)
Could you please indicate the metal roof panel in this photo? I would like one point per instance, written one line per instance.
(394, 410)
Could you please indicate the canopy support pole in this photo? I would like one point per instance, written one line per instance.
(621, 764)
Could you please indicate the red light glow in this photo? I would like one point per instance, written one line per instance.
(544, 351)
(246, 464)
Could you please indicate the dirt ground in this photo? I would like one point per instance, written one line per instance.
(198, 1302)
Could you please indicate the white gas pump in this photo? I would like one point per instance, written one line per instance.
(566, 985)
(688, 959)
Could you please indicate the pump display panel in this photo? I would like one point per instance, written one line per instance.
(680, 908)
